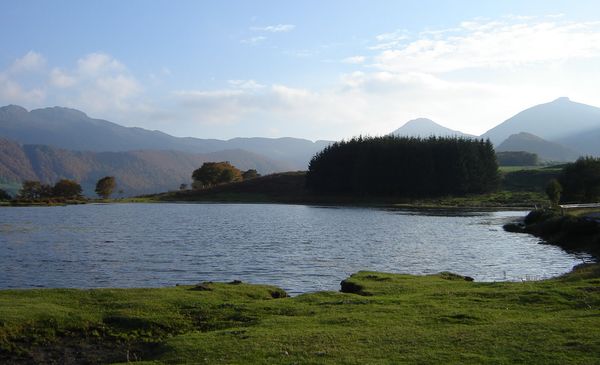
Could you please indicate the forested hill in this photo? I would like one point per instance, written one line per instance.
(137, 172)
(402, 166)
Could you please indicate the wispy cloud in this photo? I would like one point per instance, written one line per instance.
(279, 28)
(354, 60)
(490, 44)
(254, 40)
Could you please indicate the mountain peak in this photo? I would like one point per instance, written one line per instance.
(422, 121)
(423, 127)
(551, 121)
(546, 150)
(13, 109)
(62, 112)
(562, 99)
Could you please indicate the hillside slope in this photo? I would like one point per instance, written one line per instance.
(549, 151)
(73, 130)
(423, 127)
(137, 172)
(551, 121)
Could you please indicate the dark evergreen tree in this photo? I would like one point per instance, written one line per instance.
(404, 166)
(580, 181)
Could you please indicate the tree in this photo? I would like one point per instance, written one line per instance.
(66, 188)
(4, 195)
(105, 186)
(30, 190)
(214, 173)
(404, 166)
(250, 174)
(517, 158)
(553, 190)
(183, 187)
(581, 180)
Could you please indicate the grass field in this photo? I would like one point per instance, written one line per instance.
(388, 319)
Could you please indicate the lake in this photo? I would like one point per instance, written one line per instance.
(298, 248)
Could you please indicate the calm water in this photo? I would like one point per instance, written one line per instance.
(299, 248)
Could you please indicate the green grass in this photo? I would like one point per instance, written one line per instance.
(396, 319)
(556, 168)
(290, 188)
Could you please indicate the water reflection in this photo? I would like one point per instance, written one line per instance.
(299, 248)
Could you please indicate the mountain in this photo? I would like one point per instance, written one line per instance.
(587, 141)
(553, 121)
(549, 151)
(136, 172)
(423, 127)
(73, 130)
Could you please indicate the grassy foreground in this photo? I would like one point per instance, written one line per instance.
(389, 318)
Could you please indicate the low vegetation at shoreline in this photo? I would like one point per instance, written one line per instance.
(290, 188)
(384, 318)
(575, 231)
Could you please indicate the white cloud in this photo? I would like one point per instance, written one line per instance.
(95, 64)
(354, 60)
(61, 79)
(491, 45)
(31, 61)
(14, 93)
(253, 40)
(245, 84)
(279, 28)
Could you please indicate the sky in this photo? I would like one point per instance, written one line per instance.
(307, 69)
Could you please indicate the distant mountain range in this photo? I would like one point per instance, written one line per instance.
(73, 130)
(561, 120)
(136, 172)
(561, 130)
(51, 143)
(423, 127)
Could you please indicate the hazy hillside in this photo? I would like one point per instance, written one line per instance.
(552, 121)
(588, 141)
(549, 151)
(423, 127)
(74, 130)
(137, 172)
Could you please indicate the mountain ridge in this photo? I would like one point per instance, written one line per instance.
(550, 121)
(424, 127)
(137, 172)
(546, 150)
(72, 129)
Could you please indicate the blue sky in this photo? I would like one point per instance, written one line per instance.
(312, 69)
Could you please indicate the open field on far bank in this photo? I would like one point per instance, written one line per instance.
(290, 188)
(393, 319)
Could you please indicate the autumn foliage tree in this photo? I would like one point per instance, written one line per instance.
(105, 186)
(250, 174)
(214, 173)
(66, 188)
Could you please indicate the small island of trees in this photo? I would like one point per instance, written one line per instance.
(403, 166)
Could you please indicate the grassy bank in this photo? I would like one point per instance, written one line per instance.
(393, 319)
(290, 188)
(577, 230)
